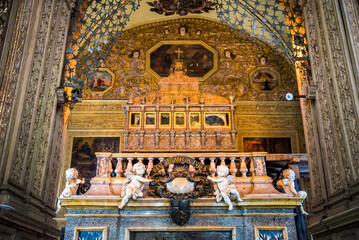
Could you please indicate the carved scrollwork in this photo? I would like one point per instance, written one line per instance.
(179, 171)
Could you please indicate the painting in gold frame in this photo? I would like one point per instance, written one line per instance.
(135, 119)
(180, 119)
(217, 119)
(99, 233)
(194, 120)
(150, 119)
(270, 232)
(165, 119)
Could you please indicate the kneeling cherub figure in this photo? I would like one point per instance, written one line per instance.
(133, 185)
(288, 186)
(223, 186)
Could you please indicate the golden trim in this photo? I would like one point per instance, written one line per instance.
(150, 125)
(113, 79)
(183, 229)
(268, 228)
(182, 42)
(130, 119)
(112, 202)
(204, 215)
(229, 120)
(184, 123)
(169, 116)
(104, 231)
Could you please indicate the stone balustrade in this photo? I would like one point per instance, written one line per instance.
(240, 164)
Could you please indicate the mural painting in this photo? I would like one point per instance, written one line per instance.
(83, 153)
(197, 59)
(100, 80)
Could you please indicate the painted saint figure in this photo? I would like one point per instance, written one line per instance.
(133, 185)
(223, 186)
(288, 186)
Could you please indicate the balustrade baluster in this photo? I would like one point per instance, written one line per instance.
(119, 169)
(202, 159)
(212, 166)
(129, 165)
(244, 168)
(252, 169)
(161, 159)
(140, 159)
(223, 161)
(150, 165)
(109, 167)
(233, 170)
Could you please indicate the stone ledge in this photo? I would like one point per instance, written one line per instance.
(112, 202)
(337, 221)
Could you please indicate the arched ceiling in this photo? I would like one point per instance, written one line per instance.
(94, 23)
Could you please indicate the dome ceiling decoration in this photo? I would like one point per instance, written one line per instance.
(264, 20)
(181, 7)
(96, 23)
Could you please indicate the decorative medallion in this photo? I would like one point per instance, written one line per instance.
(100, 81)
(179, 178)
(265, 80)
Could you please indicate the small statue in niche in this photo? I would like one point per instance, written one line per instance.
(288, 186)
(223, 187)
(133, 185)
(72, 184)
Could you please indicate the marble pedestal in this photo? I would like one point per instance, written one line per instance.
(151, 215)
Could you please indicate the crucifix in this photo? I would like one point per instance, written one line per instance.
(179, 52)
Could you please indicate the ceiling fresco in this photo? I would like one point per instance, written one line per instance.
(96, 25)
(238, 56)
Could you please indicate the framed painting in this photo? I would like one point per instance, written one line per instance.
(195, 120)
(180, 119)
(216, 119)
(200, 59)
(100, 81)
(192, 232)
(150, 119)
(165, 119)
(90, 233)
(265, 80)
(83, 153)
(270, 232)
(135, 119)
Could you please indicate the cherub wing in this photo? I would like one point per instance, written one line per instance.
(230, 178)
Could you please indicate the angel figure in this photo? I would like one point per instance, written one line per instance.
(223, 186)
(72, 184)
(288, 186)
(133, 185)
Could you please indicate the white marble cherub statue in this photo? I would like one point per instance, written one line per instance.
(223, 186)
(133, 185)
(72, 184)
(288, 186)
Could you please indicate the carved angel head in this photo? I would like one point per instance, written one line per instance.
(222, 170)
(139, 168)
(71, 174)
(289, 174)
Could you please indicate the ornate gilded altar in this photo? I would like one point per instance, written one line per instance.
(180, 136)
(179, 117)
